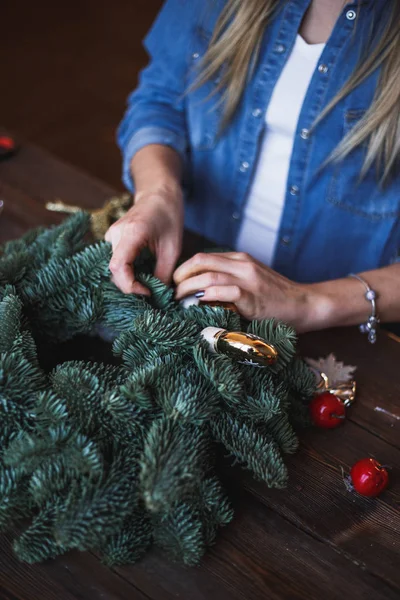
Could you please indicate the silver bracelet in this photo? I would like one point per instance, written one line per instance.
(371, 325)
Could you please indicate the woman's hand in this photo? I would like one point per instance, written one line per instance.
(155, 221)
(257, 291)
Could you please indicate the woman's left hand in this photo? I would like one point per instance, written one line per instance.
(256, 290)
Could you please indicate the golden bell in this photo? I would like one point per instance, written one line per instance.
(244, 348)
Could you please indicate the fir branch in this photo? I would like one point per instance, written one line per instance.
(14, 418)
(71, 449)
(180, 534)
(186, 396)
(130, 543)
(14, 500)
(162, 296)
(121, 309)
(215, 507)
(14, 267)
(59, 241)
(83, 386)
(166, 331)
(21, 243)
(140, 386)
(38, 542)
(19, 379)
(96, 512)
(49, 410)
(223, 375)
(300, 379)
(134, 350)
(207, 316)
(95, 448)
(83, 270)
(173, 461)
(68, 313)
(256, 451)
(10, 322)
(281, 336)
(282, 432)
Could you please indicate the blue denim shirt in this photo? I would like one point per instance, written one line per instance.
(333, 223)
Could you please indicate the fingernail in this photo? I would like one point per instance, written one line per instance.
(199, 294)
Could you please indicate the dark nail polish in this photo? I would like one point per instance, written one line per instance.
(199, 294)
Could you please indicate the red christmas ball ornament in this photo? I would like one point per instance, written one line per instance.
(327, 410)
(369, 477)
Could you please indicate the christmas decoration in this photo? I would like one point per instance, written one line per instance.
(115, 455)
(327, 410)
(336, 390)
(368, 477)
(101, 218)
(335, 377)
(243, 347)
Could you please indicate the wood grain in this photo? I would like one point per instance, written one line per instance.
(261, 555)
(314, 540)
(317, 501)
(77, 575)
(67, 71)
(377, 377)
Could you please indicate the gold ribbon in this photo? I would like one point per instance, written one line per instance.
(101, 218)
(345, 391)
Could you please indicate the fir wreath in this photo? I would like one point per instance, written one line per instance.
(117, 457)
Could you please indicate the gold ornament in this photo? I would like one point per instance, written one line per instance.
(335, 377)
(345, 391)
(101, 218)
(245, 348)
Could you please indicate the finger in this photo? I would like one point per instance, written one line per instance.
(121, 265)
(201, 263)
(203, 282)
(242, 300)
(132, 287)
(167, 256)
(224, 293)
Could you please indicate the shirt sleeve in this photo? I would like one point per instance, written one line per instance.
(156, 109)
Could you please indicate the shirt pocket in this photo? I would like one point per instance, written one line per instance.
(203, 104)
(365, 196)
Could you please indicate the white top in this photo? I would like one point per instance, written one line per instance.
(264, 208)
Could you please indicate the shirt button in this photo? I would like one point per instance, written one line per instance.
(235, 216)
(196, 55)
(323, 68)
(351, 15)
(244, 166)
(285, 240)
(280, 48)
(257, 112)
(294, 190)
(305, 134)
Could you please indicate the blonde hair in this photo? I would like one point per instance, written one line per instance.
(234, 49)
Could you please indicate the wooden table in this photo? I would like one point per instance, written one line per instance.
(314, 540)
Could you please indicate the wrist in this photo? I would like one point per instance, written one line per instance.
(319, 308)
(169, 192)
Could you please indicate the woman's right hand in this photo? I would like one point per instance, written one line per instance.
(154, 221)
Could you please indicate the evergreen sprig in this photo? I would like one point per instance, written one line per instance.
(114, 458)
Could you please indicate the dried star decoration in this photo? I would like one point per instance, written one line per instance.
(336, 371)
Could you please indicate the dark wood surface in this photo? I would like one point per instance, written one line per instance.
(66, 71)
(314, 540)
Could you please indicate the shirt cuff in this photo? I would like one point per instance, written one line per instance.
(144, 137)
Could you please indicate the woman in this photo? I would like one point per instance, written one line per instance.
(278, 121)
